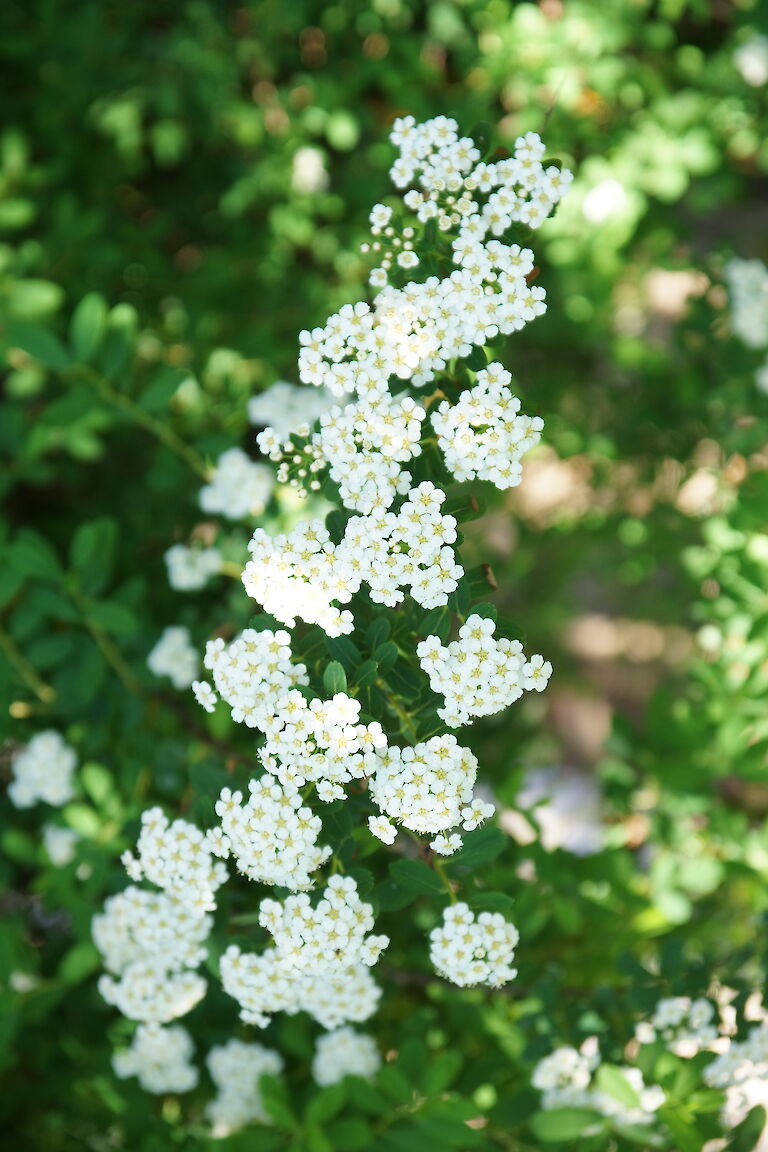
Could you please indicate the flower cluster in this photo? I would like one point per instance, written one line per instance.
(250, 674)
(685, 1025)
(272, 836)
(59, 843)
(301, 574)
(344, 1052)
(151, 941)
(742, 1072)
(190, 569)
(263, 984)
(427, 787)
(177, 858)
(478, 674)
(364, 445)
(469, 949)
(483, 436)
(175, 656)
(322, 742)
(747, 282)
(159, 1058)
(287, 409)
(327, 937)
(566, 1080)
(236, 1069)
(238, 487)
(43, 771)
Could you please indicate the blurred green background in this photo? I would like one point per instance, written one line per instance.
(207, 169)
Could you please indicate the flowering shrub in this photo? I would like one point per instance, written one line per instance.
(233, 772)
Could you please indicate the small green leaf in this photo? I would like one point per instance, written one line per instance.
(415, 876)
(563, 1124)
(386, 654)
(40, 343)
(326, 1104)
(480, 847)
(91, 553)
(334, 678)
(87, 326)
(612, 1080)
(492, 902)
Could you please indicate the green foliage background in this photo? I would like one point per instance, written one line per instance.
(157, 261)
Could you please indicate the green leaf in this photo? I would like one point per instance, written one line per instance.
(32, 555)
(377, 632)
(745, 1137)
(351, 1135)
(87, 326)
(414, 876)
(492, 902)
(485, 611)
(91, 553)
(274, 1095)
(563, 1124)
(686, 1134)
(480, 847)
(114, 617)
(79, 962)
(386, 654)
(40, 343)
(344, 650)
(326, 1104)
(119, 341)
(612, 1080)
(334, 678)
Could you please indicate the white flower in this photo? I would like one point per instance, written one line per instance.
(474, 950)
(176, 857)
(272, 836)
(344, 1052)
(59, 843)
(43, 771)
(239, 488)
(159, 1058)
(751, 59)
(747, 282)
(175, 656)
(483, 436)
(191, 568)
(284, 407)
(446, 845)
(236, 1069)
(476, 673)
(425, 787)
(382, 829)
(205, 695)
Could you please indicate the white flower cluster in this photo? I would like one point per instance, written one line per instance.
(477, 674)
(287, 409)
(59, 843)
(751, 59)
(469, 949)
(427, 787)
(566, 1080)
(159, 1058)
(151, 941)
(175, 656)
(263, 984)
(250, 673)
(365, 444)
(236, 1069)
(177, 858)
(344, 1052)
(483, 436)
(300, 575)
(43, 771)
(321, 742)
(747, 282)
(324, 938)
(272, 836)
(238, 487)
(743, 1060)
(685, 1025)
(468, 199)
(748, 288)
(191, 568)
